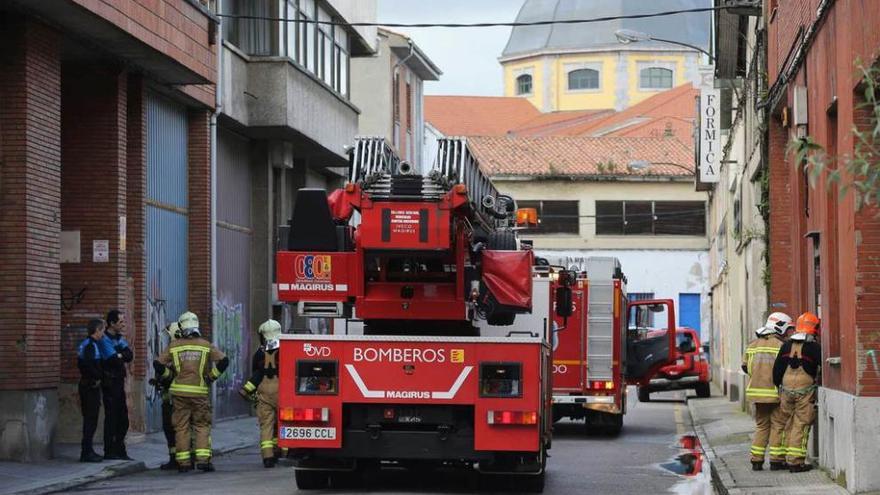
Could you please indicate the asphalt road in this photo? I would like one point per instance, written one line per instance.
(580, 463)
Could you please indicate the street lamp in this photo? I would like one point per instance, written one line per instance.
(639, 165)
(627, 36)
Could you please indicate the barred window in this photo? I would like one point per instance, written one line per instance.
(686, 218)
(554, 217)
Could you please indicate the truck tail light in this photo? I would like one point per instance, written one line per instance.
(307, 414)
(512, 418)
(500, 380)
(601, 385)
(317, 377)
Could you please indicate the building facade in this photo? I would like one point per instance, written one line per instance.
(591, 202)
(389, 89)
(565, 67)
(105, 196)
(286, 118)
(823, 249)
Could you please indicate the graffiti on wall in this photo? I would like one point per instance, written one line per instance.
(157, 342)
(232, 337)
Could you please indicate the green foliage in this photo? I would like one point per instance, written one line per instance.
(863, 167)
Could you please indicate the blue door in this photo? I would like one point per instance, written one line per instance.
(689, 311)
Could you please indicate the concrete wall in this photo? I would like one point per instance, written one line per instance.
(371, 88)
(27, 429)
(847, 429)
(359, 11)
(587, 193)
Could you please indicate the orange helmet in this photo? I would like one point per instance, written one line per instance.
(808, 323)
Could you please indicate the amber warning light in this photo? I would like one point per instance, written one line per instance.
(527, 217)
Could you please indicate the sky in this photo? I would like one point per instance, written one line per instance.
(468, 57)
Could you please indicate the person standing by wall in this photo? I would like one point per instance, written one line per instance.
(795, 372)
(117, 353)
(164, 388)
(193, 363)
(91, 372)
(758, 365)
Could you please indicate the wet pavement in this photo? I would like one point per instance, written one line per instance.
(655, 435)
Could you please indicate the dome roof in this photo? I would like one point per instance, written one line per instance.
(692, 28)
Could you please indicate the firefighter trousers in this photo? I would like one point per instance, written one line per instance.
(266, 415)
(195, 413)
(765, 414)
(799, 411)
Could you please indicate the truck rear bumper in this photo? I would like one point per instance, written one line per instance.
(583, 399)
(400, 445)
(667, 384)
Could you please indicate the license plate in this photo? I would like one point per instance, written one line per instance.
(307, 433)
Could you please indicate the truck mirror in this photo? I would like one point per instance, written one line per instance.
(564, 306)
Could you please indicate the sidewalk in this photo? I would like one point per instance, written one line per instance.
(149, 451)
(725, 433)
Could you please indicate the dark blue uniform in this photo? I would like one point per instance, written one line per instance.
(116, 353)
(91, 369)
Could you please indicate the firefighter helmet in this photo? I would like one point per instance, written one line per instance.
(173, 330)
(778, 323)
(189, 324)
(271, 331)
(807, 325)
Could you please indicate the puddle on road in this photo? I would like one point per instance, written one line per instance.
(690, 464)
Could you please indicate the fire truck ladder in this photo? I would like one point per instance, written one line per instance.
(384, 176)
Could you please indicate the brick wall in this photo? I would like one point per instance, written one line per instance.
(781, 296)
(30, 197)
(136, 180)
(199, 155)
(93, 189)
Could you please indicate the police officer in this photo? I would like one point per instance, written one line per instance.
(163, 386)
(194, 363)
(263, 388)
(758, 365)
(91, 372)
(117, 353)
(795, 373)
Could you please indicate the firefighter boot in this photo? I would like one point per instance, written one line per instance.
(778, 466)
(800, 468)
(757, 466)
(207, 467)
(269, 462)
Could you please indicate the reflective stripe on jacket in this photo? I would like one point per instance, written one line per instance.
(193, 364)
(758, 363)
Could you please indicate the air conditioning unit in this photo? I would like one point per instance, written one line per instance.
(743, 7)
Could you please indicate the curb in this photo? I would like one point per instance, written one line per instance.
(121, 469)
(722, 478)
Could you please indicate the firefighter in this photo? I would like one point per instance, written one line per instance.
(758, 365)
(194, 363)
(163, 385)
(795, 373)
(90, 364)
(117, 353)
(263, 389)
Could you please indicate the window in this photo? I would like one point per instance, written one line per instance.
(651, 218)
(409, 108)
(395, 97)
(555, 217)
(655, 78)
(524, 84)
(583, 79)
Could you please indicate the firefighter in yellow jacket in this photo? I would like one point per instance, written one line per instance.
(796, 373)
(263, 388)
(194, 363)
(758, 365)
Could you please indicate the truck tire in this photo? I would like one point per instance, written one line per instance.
(703, 390)
(534, 483)
(502, 240)
(644, 395)
(615, 424)
(501, 319)
(307, 479)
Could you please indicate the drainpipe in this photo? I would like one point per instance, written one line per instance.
(214, 116)
(412, 51)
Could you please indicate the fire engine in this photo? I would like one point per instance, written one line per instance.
(604, 344)
(442, 350)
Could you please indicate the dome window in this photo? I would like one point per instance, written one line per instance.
(655, 78)
(524, 84)
(583, 79)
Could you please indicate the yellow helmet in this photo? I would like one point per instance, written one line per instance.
(189, 323)
(173, 330)
(270, 330)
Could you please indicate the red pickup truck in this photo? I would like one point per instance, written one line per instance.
(690, 370)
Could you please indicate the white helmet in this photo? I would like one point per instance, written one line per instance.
(778, 323)
(271, 331)
(189, 324)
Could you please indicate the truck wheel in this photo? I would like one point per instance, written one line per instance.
(502, 240)
(533, 483)
(615, 424)
(703, 390)
(311, 480)
(644, 395)
(501, 319)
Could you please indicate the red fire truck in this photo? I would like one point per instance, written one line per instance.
(604, 345)
(440, 359)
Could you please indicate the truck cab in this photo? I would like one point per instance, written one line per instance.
(689, 371)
